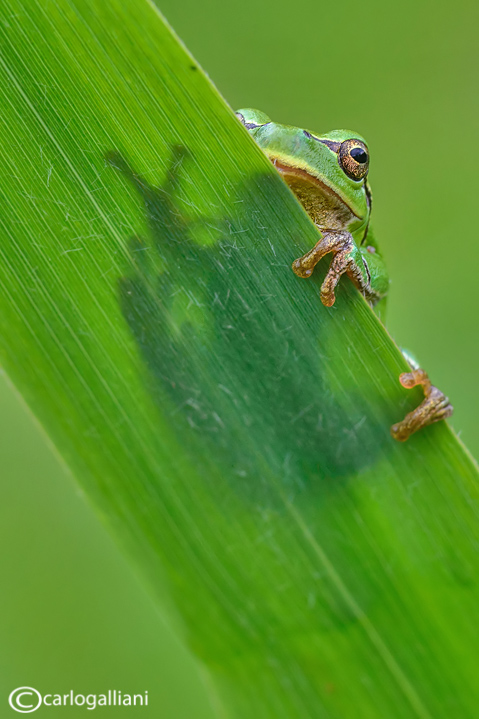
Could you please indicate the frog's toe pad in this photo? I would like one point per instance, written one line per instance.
(300, 270)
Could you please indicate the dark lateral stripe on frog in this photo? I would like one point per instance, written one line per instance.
(369, 200)
(366, 266)
(250, 125)
(369, 197)
(334, 146)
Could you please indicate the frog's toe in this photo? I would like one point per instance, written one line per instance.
(434, 408)
(328, 298)
(300, 270)
(304, 266)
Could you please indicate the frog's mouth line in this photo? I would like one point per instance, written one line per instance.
(284, 169)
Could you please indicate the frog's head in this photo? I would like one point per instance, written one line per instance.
(327, 173)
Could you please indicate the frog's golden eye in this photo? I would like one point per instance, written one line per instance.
(354, 159)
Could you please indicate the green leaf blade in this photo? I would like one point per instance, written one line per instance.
(233, 431)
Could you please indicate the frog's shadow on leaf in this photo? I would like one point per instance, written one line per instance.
(227, 366)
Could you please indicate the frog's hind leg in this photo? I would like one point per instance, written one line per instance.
(434, 407)
(346, 261)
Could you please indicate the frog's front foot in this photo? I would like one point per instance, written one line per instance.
(435, 406)
(344, 249)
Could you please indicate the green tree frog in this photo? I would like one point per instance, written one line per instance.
(328, 174)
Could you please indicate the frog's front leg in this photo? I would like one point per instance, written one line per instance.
(435, 406)
(347, 260)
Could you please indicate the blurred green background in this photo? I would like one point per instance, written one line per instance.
(75, 615)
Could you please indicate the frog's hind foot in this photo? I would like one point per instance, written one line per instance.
(434, 408)
(342, 245)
